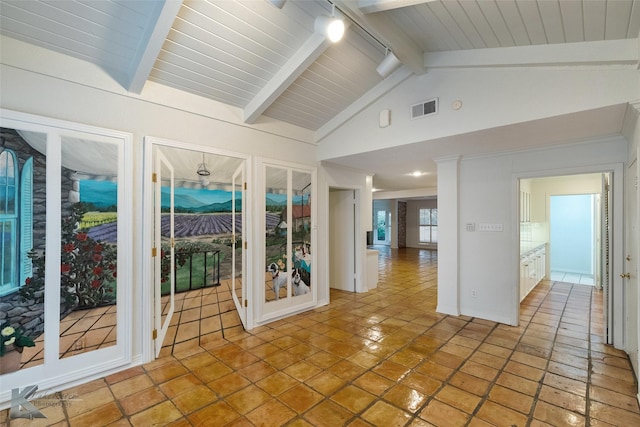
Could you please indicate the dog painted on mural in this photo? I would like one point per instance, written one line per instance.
(300, 286)
(299, 280)
(279, 280)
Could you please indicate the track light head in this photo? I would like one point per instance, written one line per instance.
(388, 65)
(330, 26)
(277, 3)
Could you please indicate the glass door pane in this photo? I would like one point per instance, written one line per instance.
(277, 233)
(89, 246)
(301, 223)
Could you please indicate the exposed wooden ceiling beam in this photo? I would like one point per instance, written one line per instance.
(294, 67)
(151, 43)
(372, 6)
(606, 52)
(386, 31)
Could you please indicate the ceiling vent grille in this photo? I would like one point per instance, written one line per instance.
(424, 109)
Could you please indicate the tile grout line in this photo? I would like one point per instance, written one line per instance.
(536, 397)
(501, 370)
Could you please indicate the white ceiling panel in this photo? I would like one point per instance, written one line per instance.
(530, 13)
(617, 11)
(552, 21)
(480, 23)
(496, 23)
(594, 20)
(572, 22)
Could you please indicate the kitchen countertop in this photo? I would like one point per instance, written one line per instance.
(526, 247)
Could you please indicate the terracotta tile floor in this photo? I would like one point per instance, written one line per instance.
(201, 317)
(383, 358)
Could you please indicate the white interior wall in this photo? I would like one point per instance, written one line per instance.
(491, 97)
(487, 194)
(413, 221)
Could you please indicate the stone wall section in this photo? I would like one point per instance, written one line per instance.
(29, 314)
(402, 224)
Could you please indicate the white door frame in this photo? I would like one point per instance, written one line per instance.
(631, 266)
(146, 295)
(360, 242)
(617, 290)
(160, 328)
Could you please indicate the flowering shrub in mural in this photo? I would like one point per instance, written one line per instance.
(88, 268)
(10, 336)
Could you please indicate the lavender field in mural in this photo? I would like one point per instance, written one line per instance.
(197, 225)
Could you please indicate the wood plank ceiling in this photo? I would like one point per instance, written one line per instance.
(268, 62)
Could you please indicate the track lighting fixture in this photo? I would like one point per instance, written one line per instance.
(388, 65)
(331, 27)
(277, 3)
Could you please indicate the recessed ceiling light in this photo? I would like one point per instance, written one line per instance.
(417, 173)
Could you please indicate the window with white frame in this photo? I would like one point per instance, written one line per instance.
(428, 225)
(16, 213)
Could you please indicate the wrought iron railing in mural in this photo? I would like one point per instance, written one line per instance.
(194, 270)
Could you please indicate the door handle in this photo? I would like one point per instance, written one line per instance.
(626, 275)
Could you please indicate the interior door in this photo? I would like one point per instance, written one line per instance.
(605, 261)
(238, 202)
(630, 275)
(342, 240)
(164, 260)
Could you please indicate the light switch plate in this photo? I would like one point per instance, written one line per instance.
(490, 227)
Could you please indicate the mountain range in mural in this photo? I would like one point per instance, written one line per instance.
(102, 194)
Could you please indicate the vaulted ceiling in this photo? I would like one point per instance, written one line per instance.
(269, 62)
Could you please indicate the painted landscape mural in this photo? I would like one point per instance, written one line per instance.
(88, 243)
(203, 237)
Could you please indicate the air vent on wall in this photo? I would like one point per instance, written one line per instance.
(425, 108)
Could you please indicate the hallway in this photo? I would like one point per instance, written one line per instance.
(383, 358)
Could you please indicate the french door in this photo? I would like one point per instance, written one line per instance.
(238, 225)
(164, 277)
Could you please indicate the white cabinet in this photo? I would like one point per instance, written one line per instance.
(372, 269)
(532, 269)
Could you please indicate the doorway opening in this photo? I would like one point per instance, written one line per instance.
(574, 240)
(564, 228)
(382, 229)
(198, 256)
